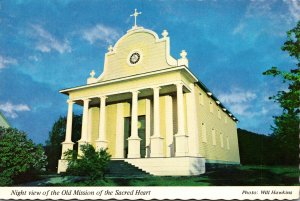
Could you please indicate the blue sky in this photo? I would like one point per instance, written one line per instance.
(46, 46)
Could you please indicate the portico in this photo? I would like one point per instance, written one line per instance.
(153, 97)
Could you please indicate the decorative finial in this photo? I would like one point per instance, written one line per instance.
(165, 33)
(183, 54)
(110, 48)
(92, 74)
(135, 14)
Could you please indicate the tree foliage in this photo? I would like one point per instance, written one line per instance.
(257, 149)
(57, 136)
(91, 163)
(20, 159)
(286, 125)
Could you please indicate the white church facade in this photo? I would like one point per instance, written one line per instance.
(151, 111)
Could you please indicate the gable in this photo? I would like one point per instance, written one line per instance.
(152, 53)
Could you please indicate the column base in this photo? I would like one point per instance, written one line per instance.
(181, 145)
(62, 166)
(156, 147)
(134, 145)
(80, 143)
(101, 144)
(65, 147)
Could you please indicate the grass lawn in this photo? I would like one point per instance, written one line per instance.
(235, 176)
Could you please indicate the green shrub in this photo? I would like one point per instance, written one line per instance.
(20, 159)
(91, 163)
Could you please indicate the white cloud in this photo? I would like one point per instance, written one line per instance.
(294, 8)
(5, 61)
(100, 33)
(11, 110)
(238, 29)
(47, 42)
(248, 104)
(260, 11)
(243, 103)
(237, 96)
(33, 58)
(259, 8)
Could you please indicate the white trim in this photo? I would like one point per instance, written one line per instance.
(130, 90)
(128, 78)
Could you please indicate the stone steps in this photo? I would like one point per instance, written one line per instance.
(122, 169)
(179, 166)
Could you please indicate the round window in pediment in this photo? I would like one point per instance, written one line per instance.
(134, 58)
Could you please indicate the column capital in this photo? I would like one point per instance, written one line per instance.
(103, 97)
(86, 99)
(135, 92)
(70, 101)
(179, 84)
(156, 88)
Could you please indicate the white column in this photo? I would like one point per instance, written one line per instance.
(134, 140)
(101, 142)
(84, 128)
(69, 122)
(90, 126)
(169, 126)
(181, 138)
(134, 115)
(192, 122)
(156, 140)
(180, 109)
(156, 112)
(120, 131)
(68, 144)
(148, 127)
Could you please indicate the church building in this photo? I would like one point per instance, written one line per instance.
(151, 111)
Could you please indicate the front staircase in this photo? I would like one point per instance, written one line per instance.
(122, 169)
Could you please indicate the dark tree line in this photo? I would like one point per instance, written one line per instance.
(286, 125)
(53, 146)
(257, 149)
(282, 147)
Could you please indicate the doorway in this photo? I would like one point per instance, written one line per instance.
(141, 134)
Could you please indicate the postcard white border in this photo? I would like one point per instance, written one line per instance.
(183, 193)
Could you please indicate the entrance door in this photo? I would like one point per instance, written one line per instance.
(141, 134)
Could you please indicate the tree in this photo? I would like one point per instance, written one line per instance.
(91, 163)
(57, 136)
(257, 149)
(20, 159)
(286, 125)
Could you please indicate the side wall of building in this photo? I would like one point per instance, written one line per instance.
(218, 141)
